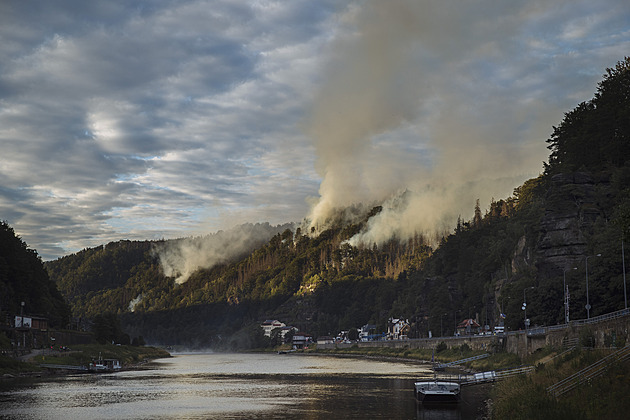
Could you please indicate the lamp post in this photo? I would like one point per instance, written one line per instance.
(588, 305)
(503, 316)
(566, 294)
(456, 318)
(441, 330)
(22, 325)
(525, 306)
(623, 262)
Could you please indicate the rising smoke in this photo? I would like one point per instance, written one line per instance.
(182, 257)
(418, 113)
(407, 70)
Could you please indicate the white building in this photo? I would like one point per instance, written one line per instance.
(270, 324)
(398, 329)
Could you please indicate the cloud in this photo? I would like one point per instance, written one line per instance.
(426, 107)
(151, 119)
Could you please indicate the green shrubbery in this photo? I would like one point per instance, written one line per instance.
(526, 397)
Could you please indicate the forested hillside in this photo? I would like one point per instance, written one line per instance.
(24, 279)
(524, 244)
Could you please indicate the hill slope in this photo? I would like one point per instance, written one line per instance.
(24, 279)
(579, 206)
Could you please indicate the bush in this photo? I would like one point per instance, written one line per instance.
(587, 338)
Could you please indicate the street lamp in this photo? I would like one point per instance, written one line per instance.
(566, 294)
(588, 305)
(503, 316)
(524, 308)
(456, 318)
(441, 330)
(623, 262)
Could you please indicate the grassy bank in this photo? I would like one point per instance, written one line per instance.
(80, 355)
(83, 354)
(10, 367)
(495, 361)
(525, 397)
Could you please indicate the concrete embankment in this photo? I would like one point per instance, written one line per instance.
(603, 331)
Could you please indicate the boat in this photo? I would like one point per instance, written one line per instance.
(437, 391)
(104, 365)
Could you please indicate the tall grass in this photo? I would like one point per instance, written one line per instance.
(526, 397)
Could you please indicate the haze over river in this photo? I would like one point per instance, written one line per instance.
(234, 386)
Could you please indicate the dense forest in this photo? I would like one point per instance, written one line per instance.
(23, 278)
(523, 246)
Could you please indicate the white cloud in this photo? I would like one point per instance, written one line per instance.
(147, 119)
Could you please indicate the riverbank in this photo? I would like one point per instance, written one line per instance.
(442, 355)
(525, 396)
(29, 365)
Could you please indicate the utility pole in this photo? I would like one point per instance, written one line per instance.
(566, 294)
(525, 307)
(588, 305)
(623, 262)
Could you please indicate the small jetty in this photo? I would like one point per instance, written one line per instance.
(95, 366)
(446, 389)
(64, 367)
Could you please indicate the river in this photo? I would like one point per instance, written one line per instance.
(235, 386)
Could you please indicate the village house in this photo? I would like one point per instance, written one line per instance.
(270, 324)
(398, 329)
(325, 339)
(301, 340)
(468, 327)
(366, 333)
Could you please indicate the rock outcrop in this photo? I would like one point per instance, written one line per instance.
(571, 210)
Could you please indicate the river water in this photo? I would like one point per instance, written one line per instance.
(235, 386)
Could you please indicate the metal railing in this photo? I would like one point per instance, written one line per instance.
(506, 373)
(495, 375)
(457, 362)
(593, 320)
(589, 372)
(530, 332)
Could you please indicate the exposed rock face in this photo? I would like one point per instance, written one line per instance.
(522, 255)
(571, 210)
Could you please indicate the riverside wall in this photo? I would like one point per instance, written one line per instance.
(604, 331)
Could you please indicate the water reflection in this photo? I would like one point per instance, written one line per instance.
(471, 406)
(439, 413)
(235, 386)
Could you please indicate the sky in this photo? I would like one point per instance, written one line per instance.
(162, 119)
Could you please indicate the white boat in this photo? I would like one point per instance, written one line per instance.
(437, 391)
(104, 365)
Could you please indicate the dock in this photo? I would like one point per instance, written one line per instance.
(64, 367)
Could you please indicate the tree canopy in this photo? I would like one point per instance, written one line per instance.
(23, 278)
(321, 284)
(596, 132)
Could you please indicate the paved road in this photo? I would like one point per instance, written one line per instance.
(33, 353)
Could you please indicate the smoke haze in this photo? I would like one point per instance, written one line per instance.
(424, 107)
(182, 257)
(409, 69)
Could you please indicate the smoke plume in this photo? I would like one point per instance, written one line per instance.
(182, 257)
(410, 70)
